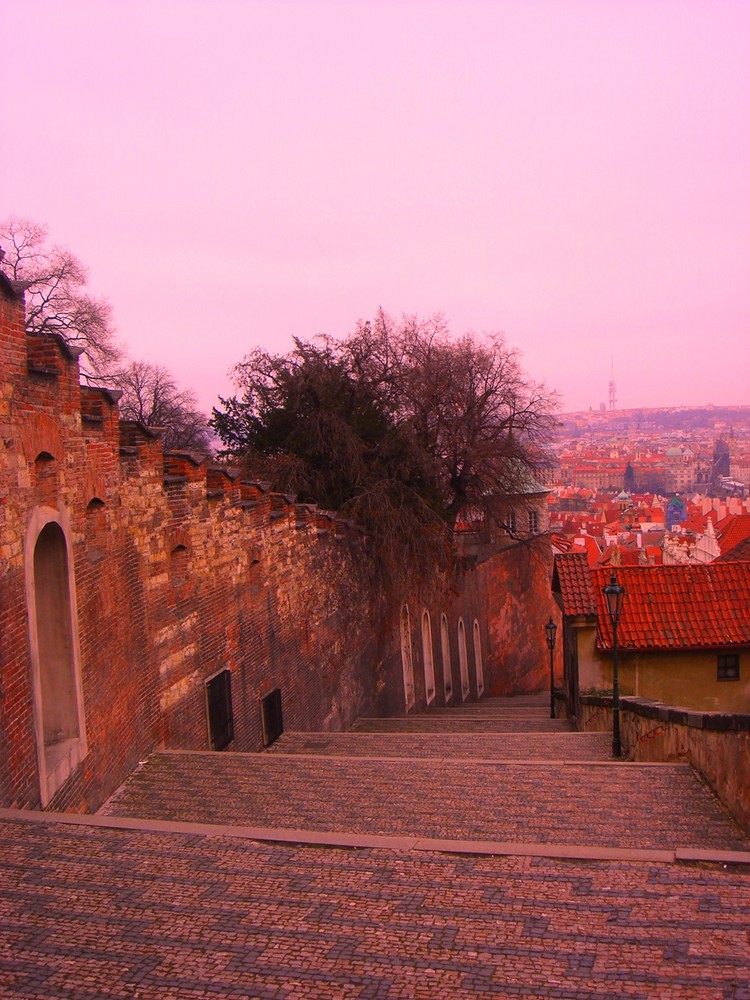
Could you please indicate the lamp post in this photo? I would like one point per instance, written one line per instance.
(613, 595)
(551, 629)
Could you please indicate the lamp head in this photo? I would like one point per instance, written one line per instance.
(613, 595)
(551, 629)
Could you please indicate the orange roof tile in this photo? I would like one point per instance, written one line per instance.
(740, 552)
(678, 607)
(572, 580)
(731, 530)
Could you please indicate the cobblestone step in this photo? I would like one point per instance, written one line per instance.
(620, 805)
(429, 723)
(489, 712)
(124, 914)
(518, 746)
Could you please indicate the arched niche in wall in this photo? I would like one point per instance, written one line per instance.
(96, 530)
(55, 655)
(463, 660)
(179, 566)
(44, 479)
(445, 649)
(407, 661)
(429, 663)
(478, 663)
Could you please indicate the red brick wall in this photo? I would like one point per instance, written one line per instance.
(182, 571)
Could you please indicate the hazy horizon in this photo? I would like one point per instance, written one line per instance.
(569, 172)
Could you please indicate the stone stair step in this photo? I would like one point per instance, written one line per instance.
(618, 805)
(428, 723)
(518, 746)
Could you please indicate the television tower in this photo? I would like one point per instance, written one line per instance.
(612, 390)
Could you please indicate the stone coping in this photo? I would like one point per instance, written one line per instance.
(370, 841)
(716, 721)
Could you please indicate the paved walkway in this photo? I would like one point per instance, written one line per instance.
(616, 805)
(122, 906)
(453, 746)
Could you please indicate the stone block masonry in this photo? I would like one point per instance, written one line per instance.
(131, 578)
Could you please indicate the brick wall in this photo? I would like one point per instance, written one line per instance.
(181, 571)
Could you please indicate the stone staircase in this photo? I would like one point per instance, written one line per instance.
(485, 856)
(497, 772)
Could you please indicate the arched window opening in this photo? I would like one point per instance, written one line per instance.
(478, 659)
(445, 648)
(463, 660)
(407, 662)
(429, 664)
(58, 700)
(96, 530)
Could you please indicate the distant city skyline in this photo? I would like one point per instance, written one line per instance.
(569, 172)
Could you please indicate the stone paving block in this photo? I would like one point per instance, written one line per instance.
(89, 913)
(597, 804)
(520, 746)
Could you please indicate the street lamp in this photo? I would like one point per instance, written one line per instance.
(551, 629)
(613, 595)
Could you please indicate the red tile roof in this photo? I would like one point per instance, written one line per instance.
(731, 530)
(572, 580)
(740, 552)
(677, 607)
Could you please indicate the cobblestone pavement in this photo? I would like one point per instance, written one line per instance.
(91, 913)
(491, 723)
(621, 805)
(455, 746)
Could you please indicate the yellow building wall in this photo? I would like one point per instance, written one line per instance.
(681, 678)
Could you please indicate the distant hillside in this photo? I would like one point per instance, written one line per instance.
(677, 418)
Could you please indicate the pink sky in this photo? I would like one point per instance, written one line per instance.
(234, 173)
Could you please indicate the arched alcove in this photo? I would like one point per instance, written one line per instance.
(178, 566)
(96, 529)
(445, 649)
(463, 660)
(407, 662)
(44, 478)
(55, 660)
(478, 663)
(429, 664)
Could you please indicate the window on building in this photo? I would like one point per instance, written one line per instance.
(445, 648)
(219, 709)
(407, 662)
(512, 522)
(271, 717)
(533, 522)
(728, 667)
(427, 656)
(478, 659)
(463, 660)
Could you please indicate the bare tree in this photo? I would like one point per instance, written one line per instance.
(151, 395)
(400, 426)
(56, 298)
(479, 420)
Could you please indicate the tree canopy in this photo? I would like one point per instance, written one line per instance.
(400, 425)
(57, 301)
(151, 395)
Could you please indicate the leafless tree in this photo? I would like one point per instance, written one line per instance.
(479, 420)
(401, 426)
(56, 298)
(151, 395)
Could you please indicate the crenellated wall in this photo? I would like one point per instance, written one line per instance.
(131, 577)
